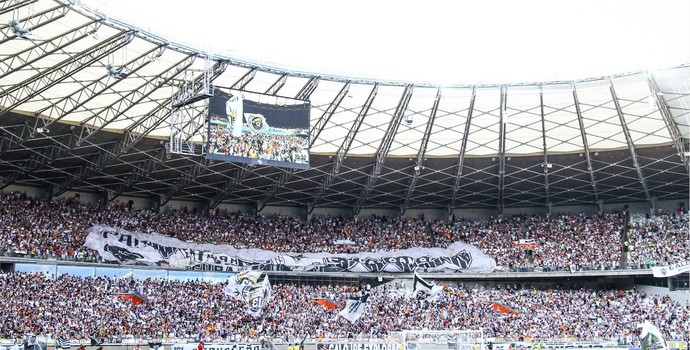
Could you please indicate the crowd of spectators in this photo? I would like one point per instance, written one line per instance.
(282, 148)
(659, 240)
(36, 227)
(83, 308)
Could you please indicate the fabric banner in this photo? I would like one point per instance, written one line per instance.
(423, 290)
(245, 286)
(354, 309)
(671, 270)
(126, 247)
(232, 346)
(360, 346)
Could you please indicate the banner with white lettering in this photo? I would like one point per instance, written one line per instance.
(124, 247)
(360, 346)
(671, 270)
(231, 346)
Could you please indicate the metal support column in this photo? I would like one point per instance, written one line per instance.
(631, 145)
(503, 114)
(419, 164)
(588, 158)
(463, 148)
(344, 147)
(385, 146)
(545, 165)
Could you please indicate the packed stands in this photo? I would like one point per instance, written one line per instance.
(83, 308)
(36, 227)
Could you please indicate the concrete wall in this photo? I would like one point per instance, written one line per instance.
(634, 207)
(29, 190)
(140, 203)
(84, 197)
(589, 209)
(233, 208)
(680, 296)
(429, 214)
(541, 211)
(287, 211)
(474, 213)
(345, 212)
(365, 212)
(670, 205)
(181, 205)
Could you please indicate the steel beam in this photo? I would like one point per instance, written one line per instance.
(74, 101)
(231, 184)
(503, 114)
(282, 180)
(186, 179)
(308, 88)
(545, 165)
(8, 6)
(133, 134)
(277, 85)
(328, 113)
(241, 83)
(385, 146)
(590, 169)
(47, 157)
(463, 148)
(666, 115)
(139, 172)
(344, 148)
(631, 144)
(151, 164)
(106, 115)
(35, 85)
(25, 58)
(419, 164)
(43, 18)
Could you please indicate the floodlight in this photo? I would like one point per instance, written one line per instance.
(117, 73)
(20, 31)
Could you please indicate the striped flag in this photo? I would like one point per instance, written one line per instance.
(354, 309)
(63, 343)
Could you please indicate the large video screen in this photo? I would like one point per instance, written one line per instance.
(258, 129)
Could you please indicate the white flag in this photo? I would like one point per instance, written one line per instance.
(241, 283)
(258, 296)
(354, 308)
(422, 289)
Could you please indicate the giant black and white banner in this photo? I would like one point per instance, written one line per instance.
(671, 270)
(360, 346)
(124, 247)
(231, 346)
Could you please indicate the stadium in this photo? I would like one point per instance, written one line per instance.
(157, 194)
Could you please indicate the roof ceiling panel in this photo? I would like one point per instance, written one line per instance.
(377, 120)
(602, 125)
(408, 139)
(523, 121)
(449, 126)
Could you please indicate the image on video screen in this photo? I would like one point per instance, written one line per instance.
(258, 129)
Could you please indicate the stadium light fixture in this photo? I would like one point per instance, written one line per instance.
(409, 118)
(19, 30)
(117, 73)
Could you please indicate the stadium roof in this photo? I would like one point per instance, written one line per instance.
(69, 124)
